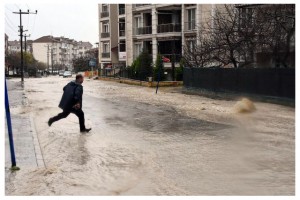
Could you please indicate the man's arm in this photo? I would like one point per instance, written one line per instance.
(78, 94)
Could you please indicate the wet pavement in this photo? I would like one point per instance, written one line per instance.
(147, 144)
(27, 150)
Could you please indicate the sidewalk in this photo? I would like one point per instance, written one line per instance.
(27, 149)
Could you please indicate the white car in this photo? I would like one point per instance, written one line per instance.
(61, 72)
(67, 74)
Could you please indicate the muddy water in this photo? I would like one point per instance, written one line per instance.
(150, 148)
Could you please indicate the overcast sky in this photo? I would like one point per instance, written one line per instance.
(75, 21)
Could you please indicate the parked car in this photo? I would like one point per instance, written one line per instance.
(61, 72)
(67, 74)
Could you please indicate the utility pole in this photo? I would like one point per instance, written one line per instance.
(21, 37)
(48, 58)
(25, 36)
(52, 59)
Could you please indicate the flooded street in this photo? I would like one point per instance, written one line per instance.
(165, 144)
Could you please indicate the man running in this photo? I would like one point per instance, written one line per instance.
(71, 102)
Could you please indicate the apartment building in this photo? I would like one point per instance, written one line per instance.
(108, 34)
(59, 50)
(15, 46)
(158, 28)
(83, 47)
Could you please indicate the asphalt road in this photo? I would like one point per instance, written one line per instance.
(166, 144)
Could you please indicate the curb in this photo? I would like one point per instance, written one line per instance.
(37, 148)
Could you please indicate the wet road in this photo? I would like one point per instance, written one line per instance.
(142, 144)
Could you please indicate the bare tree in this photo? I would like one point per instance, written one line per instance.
(278, 31)
(236, 33)
(198, 50)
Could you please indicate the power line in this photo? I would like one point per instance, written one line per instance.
(28, 22)
(10, 26)
(17, 6)
(11, 33)
(21, 39)
(33, 24)
(8, 9)
(28, 15)
(6, 17)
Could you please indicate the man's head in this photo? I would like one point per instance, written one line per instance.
(79, 78)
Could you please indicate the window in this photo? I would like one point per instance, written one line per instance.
(105, 27)
(122, 46)
(191, 44)
(246, 17)
(138, 21)
(104, 8)
(106, 47)
(138, 49)
(191, 19)
(121, 9)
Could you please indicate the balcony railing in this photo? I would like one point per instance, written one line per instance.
(105, 35)
(143, 30)
(104, 14)
(122, 33)
(190, 26)
(164, 28)
(106, 55)
(121, 11)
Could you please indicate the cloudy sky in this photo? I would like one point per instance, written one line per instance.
(76, 21)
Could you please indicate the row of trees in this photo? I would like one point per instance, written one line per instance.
(13, 62)
(82, 63)
(235, 34)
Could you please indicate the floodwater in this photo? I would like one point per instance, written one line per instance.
(165, 144)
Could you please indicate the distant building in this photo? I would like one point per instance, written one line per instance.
(15, 46)
(83, 47)
(58, 50)
(6, 43)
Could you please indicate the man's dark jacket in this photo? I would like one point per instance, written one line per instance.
(72, 94)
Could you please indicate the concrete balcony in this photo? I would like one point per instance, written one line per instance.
(165, 28)
(142, 30)
(105, 35)
(140, 7)
(106, 55)
(104, 14)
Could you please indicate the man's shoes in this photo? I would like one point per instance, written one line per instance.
(50, 122)
(85, 130)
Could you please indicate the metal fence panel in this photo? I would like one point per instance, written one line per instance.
(269, 81)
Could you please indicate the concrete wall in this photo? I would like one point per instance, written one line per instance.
(114, 34)
(128, 28)
(40, 52)
(99, 35)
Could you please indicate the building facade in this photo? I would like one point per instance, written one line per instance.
(108, 34)
(58, 51)
(15, 46)
(158, 28)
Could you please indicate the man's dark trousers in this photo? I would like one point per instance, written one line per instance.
(78, 112)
